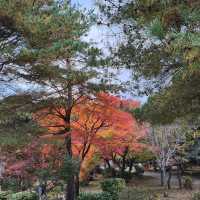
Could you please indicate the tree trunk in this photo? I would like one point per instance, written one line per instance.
(131, 166)
(123, 165)
(113, 172)
(77, 184)
(162, 175)
(163, 171)
(77, 179)
(169, 178)
(108, 163)
(124, 161)
(70, 190)
(161, 178)
(2, 168)
(179, 176)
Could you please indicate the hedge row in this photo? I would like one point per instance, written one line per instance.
(18, 196)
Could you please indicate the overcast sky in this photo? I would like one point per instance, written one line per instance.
(103, 36)
(84, 3)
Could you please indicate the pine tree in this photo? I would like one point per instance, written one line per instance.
(49, 52)
(162, 46)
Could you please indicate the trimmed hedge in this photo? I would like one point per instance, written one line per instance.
(18, 196)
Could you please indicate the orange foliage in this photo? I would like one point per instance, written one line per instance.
(101, 123)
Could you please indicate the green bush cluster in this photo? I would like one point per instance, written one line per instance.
(4, 195)
(18, 196)
(110, 187)
(10, 184)
(196, 196)
(113, 185)
(96, 196)
(127, 176)
(137, 194)
(187, 182)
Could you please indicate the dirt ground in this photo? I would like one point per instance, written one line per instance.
(151, 181)
(178, 195)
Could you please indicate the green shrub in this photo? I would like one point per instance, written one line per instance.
(23, 196)
(84, 183)
(4, 195)
(10, 184)
(137, 194)
(55, 192)
(127, 176)
(110, 187)
(95, 196)
(187, 182)
(113, 185)
(58, 189)
(7, 195)
(196, 196)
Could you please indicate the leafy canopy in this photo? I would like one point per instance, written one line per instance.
(162, 47)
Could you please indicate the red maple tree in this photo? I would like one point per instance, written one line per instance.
(100, 124)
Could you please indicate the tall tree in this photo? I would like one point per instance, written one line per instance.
(179, 100)
(162, 46)
(92, 119)
(52, 55)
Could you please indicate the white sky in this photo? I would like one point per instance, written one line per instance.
(103, 36)
(84, 3)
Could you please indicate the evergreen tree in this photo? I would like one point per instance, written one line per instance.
(162, 46)
(49, 52)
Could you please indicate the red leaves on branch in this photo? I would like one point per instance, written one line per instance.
(100, 124)
(102, 121)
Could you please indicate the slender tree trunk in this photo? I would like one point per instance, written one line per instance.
(1, 171)
(162, 175)
(111, 168)
(113, 172)
(179, 176)
(77, 184)
(70, 190)
(123, 165)
(169, 178)
(77, 179)
(131, 166)
(108, 163)
(163, 169)
(124, 161)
